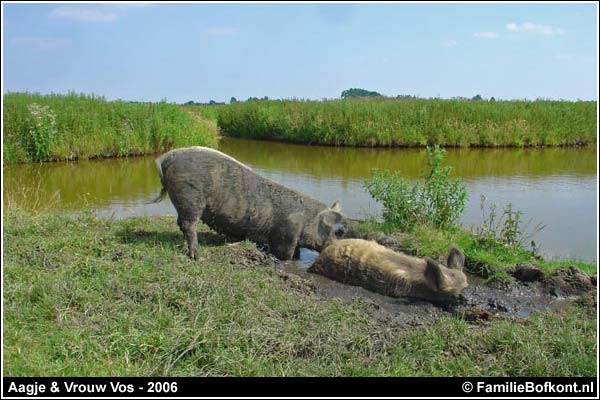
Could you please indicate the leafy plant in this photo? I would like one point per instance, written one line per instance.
(508, 228)
(437, 200)
(41, 132)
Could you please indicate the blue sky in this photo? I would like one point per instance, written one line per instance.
(199, 52)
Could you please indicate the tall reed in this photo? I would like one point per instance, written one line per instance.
(415, 122)
(75, 126)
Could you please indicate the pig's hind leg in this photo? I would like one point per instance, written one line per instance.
(188, 227)
(188, 222)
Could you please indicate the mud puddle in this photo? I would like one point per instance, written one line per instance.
(383, 308)
(481, 300)
(529, 291)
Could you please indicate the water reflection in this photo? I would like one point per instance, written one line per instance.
(554, 186)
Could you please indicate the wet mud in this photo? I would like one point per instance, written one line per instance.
(526, 291)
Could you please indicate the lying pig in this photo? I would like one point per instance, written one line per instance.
(368, 264)
(205, 184)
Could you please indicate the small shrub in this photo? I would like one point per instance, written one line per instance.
(507, 229)
(444, 197)
(437, 200)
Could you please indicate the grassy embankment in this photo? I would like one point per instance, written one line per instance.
(76, 126)
(427, 211)
(489, 259)
(420, 122)
(91, 296)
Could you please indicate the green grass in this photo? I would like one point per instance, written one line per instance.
(489, 259)
(76, 126)
(91, 296)
(419, 122)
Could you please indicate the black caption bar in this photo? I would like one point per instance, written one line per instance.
(299, 387)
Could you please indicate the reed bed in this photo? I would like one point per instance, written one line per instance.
(413, 123)
(78, 126)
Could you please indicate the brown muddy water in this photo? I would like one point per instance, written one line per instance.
(554, 186)
(480, 299)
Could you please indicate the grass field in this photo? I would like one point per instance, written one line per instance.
(419, 122)
(77, 126)
(91, 296)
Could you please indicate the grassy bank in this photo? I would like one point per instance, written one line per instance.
(419, 122)
(426, 213)
(76, 126)
(484, 258)
(89, 296)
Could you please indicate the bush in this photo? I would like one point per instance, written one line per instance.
(437, 200)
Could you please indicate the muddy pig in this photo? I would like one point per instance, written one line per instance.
(368, 264)
(205, 184)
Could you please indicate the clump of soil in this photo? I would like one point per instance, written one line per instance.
(569, 281)
(475, 313)
(249, 256)
(526, 272)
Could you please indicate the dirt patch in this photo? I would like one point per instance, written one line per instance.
(397, 312)
(248, 256)
(506, 297)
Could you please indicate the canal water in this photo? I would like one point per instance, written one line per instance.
(554, 186)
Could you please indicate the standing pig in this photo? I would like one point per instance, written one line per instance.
(368, 264)
(205, 184)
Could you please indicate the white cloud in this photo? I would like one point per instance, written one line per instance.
(83, 14)
(449, 43)
(486, 35)
(40, 42)
(535, 28)
(222, 31)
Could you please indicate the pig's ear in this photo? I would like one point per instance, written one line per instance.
(456, 259)
(433, 272)
(336, 206)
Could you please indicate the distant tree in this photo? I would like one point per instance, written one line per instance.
(190, 103)
(492, 99)
(406, 97)
(477, 98)
(233, 100)
(265, 98)
(355, 92)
